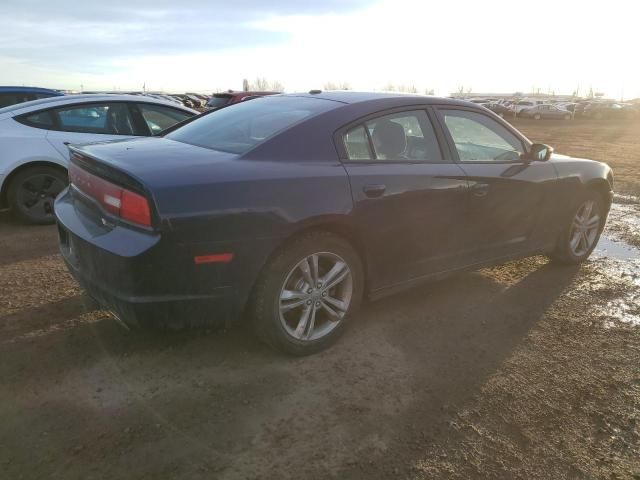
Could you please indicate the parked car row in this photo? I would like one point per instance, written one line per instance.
(219, 100)
(545, 109)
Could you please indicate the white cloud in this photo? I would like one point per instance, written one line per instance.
(487, 46)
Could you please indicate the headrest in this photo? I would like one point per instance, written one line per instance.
(389, 138)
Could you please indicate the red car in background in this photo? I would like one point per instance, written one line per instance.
(219, 100)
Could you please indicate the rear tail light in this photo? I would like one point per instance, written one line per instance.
(116, 200)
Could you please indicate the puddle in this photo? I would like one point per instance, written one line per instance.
(610, 248)
(621, 198)
(620, 261)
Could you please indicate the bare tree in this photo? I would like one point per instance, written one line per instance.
(263, 85)
(337, 86)
(390, 87)
(429, 91)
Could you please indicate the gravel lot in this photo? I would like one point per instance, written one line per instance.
(528, 370)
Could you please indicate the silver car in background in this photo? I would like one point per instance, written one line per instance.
(545, 111)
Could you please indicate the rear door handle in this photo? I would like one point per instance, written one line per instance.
(480, 189)
(373, 190)
(66, 143)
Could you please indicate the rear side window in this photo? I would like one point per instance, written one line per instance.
(159, 118)
(39, 119)
(404, 136)
(356, 142)
(245, 125)
(110, 118)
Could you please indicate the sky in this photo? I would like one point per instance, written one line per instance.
(210, 45)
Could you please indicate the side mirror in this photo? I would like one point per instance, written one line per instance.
(539, 152)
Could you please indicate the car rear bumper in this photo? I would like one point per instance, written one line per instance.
(165, 311)
(141, 279)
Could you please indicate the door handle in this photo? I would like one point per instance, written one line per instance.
(374, 191)
(66, 143)
(480, 189)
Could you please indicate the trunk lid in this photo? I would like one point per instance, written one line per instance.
(162, 170)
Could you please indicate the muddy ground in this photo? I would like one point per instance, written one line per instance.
(524, 371)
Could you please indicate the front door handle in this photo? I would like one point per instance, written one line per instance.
(480, 189)
(374, 190)
(66, 143)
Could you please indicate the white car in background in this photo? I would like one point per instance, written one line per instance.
(34, 137)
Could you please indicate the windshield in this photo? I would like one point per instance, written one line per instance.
(243, 126)
(218, 101)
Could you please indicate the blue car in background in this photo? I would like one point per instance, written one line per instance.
(12, 95)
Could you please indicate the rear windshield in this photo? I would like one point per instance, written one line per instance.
(242, 126)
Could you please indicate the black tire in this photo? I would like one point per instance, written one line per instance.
(38, 187)
(563, 252)
(264, 310)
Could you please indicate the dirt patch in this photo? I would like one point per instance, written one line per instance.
(527, 370)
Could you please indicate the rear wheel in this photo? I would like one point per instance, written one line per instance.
(32, 192)
(582, 233)
(307, 293)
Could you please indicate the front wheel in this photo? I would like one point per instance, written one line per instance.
(307, 294)
(582, 233)
(32, 192)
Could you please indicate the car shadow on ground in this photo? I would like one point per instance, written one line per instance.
(222, 399)
(470, 325)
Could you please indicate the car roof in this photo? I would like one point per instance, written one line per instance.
(350, 97)
(17, 89)
(51, 102)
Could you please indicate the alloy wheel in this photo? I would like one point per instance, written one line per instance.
(315, 296)
(584, 229)
(37, 193)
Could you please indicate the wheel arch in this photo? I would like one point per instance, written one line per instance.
(335, 225)
(603, 188)
(21, 168)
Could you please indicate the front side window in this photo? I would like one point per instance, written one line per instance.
(404, 136)
(245, 125)
(159, 118)
(110, 119)
(479, 138)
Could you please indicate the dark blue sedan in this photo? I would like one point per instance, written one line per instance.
(13, 95)
(291, 209)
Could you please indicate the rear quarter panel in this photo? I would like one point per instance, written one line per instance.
(258, 207)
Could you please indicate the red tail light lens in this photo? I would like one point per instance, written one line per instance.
(114, 199)
(135, 208)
